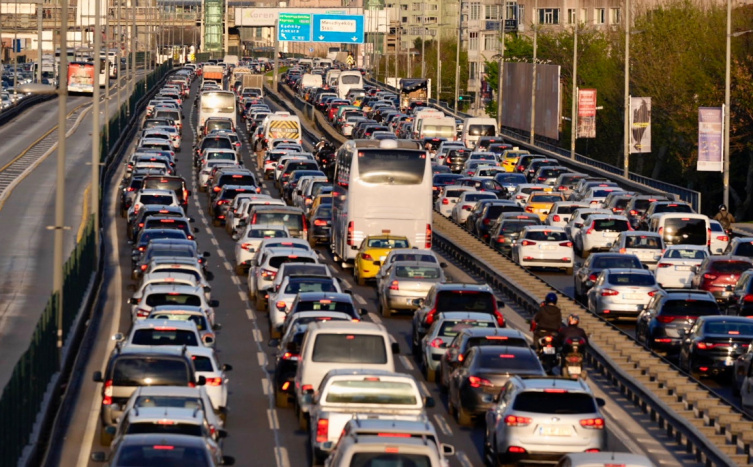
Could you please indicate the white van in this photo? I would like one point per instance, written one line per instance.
(282, 127)
(422, 114)
(432, 127)
(333, 345)
(681, 228)
(325, 63)
(331, 78)
(473, 128)
(348, 80)
(308, 80)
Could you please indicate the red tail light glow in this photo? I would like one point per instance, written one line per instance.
(513, 420)
(477, 382)
(322, 430)
(107, 399)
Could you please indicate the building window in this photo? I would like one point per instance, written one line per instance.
(599, 16)
(472, 70)
(430, 20)
(404, 7)
(404, 20)
(416, 7)
(521, 14)
(614, 15)
(583, 15)
(491, 12)
(491, 42)
(473, 41)
(511, 10)
(571, 13)
(432, 7)
(549, 16)
(475, 11)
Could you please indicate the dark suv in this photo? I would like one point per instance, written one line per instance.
(130, 368)
(477, 298)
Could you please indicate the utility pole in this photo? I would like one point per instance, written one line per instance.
(533, 84)
(501, 68)
(457, 55)
(96, 140)
(626, 117)
(727, 80)
(574, 114)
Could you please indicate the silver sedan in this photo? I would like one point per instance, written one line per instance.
(621, 292)
(407, 282)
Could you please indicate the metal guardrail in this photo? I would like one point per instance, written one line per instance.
(521, 138)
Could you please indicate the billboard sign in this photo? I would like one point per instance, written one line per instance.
(81, 77)
(294, 27)
(586, 113)
(640, 125)
(260, 17)
(710, 127)
(339, 28)
(516, 105)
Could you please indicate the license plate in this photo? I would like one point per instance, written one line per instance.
(549, 350)
(574, 370)
(683, 268)
(606, 234)
(547, 247)
(554, 431)
(632, 296)
(729, 362)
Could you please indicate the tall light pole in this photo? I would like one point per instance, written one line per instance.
(574, 114)
(533, 83)
(96, 147)
(501, 67)
(457, 55)
(40, 10)
(423, 50)
(626, 117)
(727, 110)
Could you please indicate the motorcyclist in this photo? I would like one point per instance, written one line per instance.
(571, 330)
(547, 320)
(724, 217)
(322, 142)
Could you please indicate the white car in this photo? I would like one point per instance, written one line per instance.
(465, 204)
(205, 362)
(621, 292)
(152, 196)
(281, 299)
(157, 295)
(266, 262)
(205, 172)
(719, 238)
(675, 267)
(578, 217)
(647, 246)
(599, 232)
(560, 212)
(249, 241)
(544, 246)
(170, 278)
(448, 197)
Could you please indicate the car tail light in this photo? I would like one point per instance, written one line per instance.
(748, 298)
(267, 274)
(593, 423)
(527, 243)
(322, 430)
(590, 230)
(216, 189)
(501, 239)
(142, 313)
(107, 399)
(351, 231)
(561, 188)
(665, 319)
(661, 229)
(592, 277)
(556, 218)
(710, 277)
(395, 285)
(214, 382)
(567, 244)
(723, 238)
(664, 265)
(708, 231)
(514, 420)
(290, 356)
(445, 201)
(477, 382)
(652, 293)
(541, 179)
(436, 343)
(245, 246)
(428, 242)
(609, 293)
(516, 450)
(144, 266)
(320, 222)
(367, 257)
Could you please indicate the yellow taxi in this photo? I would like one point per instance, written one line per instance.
(510, 158)
(540, 203)
(374, 249)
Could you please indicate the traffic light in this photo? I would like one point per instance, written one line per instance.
(464, 98)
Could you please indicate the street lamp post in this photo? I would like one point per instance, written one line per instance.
(96, 147)
(423, 52)
(501, 67)
(457, 56)
(533, 84)
(574, 114)
(626, 116)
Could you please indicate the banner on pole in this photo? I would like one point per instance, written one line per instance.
(710, 157)
(640, 125)
(586, 113)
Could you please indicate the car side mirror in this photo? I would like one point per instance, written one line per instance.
(214, 303)
(206, 254)
(221, 434)
(99, 456)
(429, 402)
(97, 377)
(201, 381)
(448, 449)
(500, 304)
(118, 337)
(600, 402)
(395, 348)
(442, 265)
(362, 311)
(228, 460)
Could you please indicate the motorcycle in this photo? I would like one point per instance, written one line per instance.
(547, 351)
(571, 358)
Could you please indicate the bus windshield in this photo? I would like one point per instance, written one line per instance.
(221, 102)
(392, 167)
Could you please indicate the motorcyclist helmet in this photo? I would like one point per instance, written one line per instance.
(551, 297)
(722, 207)
(573, 320)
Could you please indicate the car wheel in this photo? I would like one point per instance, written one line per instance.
(105, 438)
(240, 270)
(464, 418)
(281, 400)
(385, 311)
(303, 421)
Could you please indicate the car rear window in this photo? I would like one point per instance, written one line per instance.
(637, 280)
(164, 336)
(172, 252)
(198, 320)
(387, 243)
(201, 363)
(417, 272)
(163, 428)
(545, 198)
(744, 249)
(451, 328)
(503, 361)
(673, 208)
(615, 262)
(276, 261)
(546, 236)
(554, 402)
(175, 185)
(496, 210)
(293, 221)
(157, 371)
(686, 254)
(371, 391)
(151, 455)
(643, 242)
(172, 298)
(350, 348)
(729, 328)
(479, 196)
(496, 340)
(238, 179)
(730, 267)
(325, 305)
(266, 233)
(156, 199)
(301, 166)
(610, 225)
(313, 285)
(516, 226)
(465, 300)
(388, 459)
(567, 209)
(689, 307)
(217, 143)
(181, 402)
(687, 231)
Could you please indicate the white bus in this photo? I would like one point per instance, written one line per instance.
(332, 52)
(348, 80)
(81, 77)
(112, 57)
(380, 187)
(217, 104)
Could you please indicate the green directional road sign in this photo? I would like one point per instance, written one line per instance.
(294, 27)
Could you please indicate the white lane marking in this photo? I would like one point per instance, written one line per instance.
(250, 314)
(406, 363)
(463, 458)
(242, 295)
(228, 266)
(443, 425)
(266, 387)
(262, 358)
(333, 269)
(375, 318)
(274, 424)
(347, 284)
(359, 299)
(214, 241)
(424, 389)
(235, 280)
(220, 252)
(257, 336)
(281, 457)
(204, 220)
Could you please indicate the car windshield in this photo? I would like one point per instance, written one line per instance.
(689, 307)
(729, 328)
(389, 459)
(451, 328)
(631, 279)
(164, 427)
(156, 199)
(391, 167)
(350, 348)
(164, 336)
(685, 254)
(730, 267)
(643, 242)
(147, 371)
(389, 243)
(372, 391)
(417, 272)
(266, 233)
(172, 298)
(310, 286)
(555, 401)
(744, 249)
(465, 300)
(511, 179)
(152, 455)
(546, 236)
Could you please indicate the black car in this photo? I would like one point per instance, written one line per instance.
(128, 190)
(148, 210)
(219, 207)
(714, 343)
(320, 225)
(292, 182)
(485, 370)
(505, 230)
(169, 222)
(470, 221)
(485, 219)
(443, 179)
(484, 184)
(668, 318)
(741, 300)
(587, 272)
(456, 158)
(637, 206)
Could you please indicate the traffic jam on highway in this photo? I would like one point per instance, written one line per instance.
(303, 214)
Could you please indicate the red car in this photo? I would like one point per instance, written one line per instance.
(332, 109)
(716, 273)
